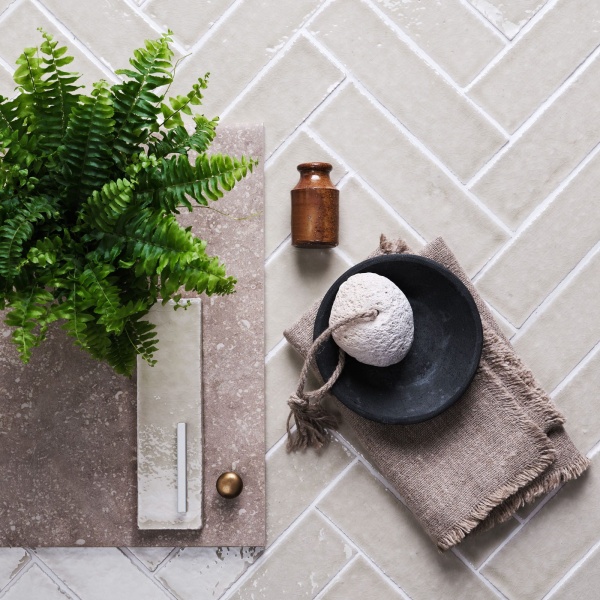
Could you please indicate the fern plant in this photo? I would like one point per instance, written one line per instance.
(89, 189)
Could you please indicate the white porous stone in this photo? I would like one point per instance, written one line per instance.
(385, 340)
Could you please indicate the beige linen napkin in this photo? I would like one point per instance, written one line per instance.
(497, 448)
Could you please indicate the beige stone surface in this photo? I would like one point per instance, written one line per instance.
(435, 27)
(282, 99)
(579, 401)
(109, 28)
(584, 583)
(509, 16)
(538, 161)
(566, 329)
(316, 269)
(478, 547)
(302, 565)
(19, 30)
(539, 62)
(360, 580)
(534, 264)
(426, 197)
(561, 532)
(397, 543)
(151, 557)
(189, 19)
(295, 480)
(235, 52)
(429, 108)
(282, 175)
(358, 238)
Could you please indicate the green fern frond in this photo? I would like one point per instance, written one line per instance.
(207, 179)
(96, 282)
(138, 337)
(30, 315)
(179, 141)
(103, 208)
(58, 92)
(183, 104)
(17, 231)
(86, 152)
(136, 105)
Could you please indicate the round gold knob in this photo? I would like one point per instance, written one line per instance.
(230, 484)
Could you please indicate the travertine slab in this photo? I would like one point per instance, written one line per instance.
(68, 423)
(169, 396)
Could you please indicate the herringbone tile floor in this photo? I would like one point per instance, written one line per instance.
(478, 121)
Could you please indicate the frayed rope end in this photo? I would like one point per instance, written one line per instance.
(312, 423)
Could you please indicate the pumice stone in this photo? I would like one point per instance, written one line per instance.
(386, 339)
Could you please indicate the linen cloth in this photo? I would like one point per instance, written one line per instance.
(500, 446)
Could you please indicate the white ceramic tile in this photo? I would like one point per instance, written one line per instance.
(100, 573)
(169, 396)
(151, 557)
(12, 560)
(539, 62)
(413, 185)
(429, 107)
(443, 26)
(509, 16)
(205, 572)
(35, 585)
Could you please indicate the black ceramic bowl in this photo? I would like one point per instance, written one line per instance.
(441, 361)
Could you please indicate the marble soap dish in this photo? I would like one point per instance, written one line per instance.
(169, 401)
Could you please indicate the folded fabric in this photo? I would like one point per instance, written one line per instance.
(500, 446)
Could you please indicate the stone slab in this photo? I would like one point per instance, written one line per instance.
(68, 423)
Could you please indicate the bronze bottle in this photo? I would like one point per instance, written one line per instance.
(315, 208)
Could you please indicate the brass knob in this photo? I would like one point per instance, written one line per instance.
(230, 484)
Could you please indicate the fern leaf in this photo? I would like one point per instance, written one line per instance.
(16, 231)
(103, 209)
(96, 283)
(179, 141)
(205, 180)
(136, 105)
(30, 315)
(183, 104)
(86, 154)
(58, 92)
(138, 337)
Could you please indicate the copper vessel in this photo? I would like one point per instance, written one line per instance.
(315, 208)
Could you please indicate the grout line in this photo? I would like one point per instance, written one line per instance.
(13, 580)
(360, 552)
(81, 46)
(536, 115)
(572, 570)
(143, 3)
(539, 210)
(280, 442)
(542, 502)
(154, 25)
(278, 250)
(595, 450)
(141, 567)
(167, 559)
(274, 350)
(418, 51)
(277, 57)
(486, 22)
(539, 15)
(285, 533)
(580, 366)
(413, 139)
(557, 291)
(486, 582)
(8, 8)
(329, 585)
(62, 585)
(365, 185)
